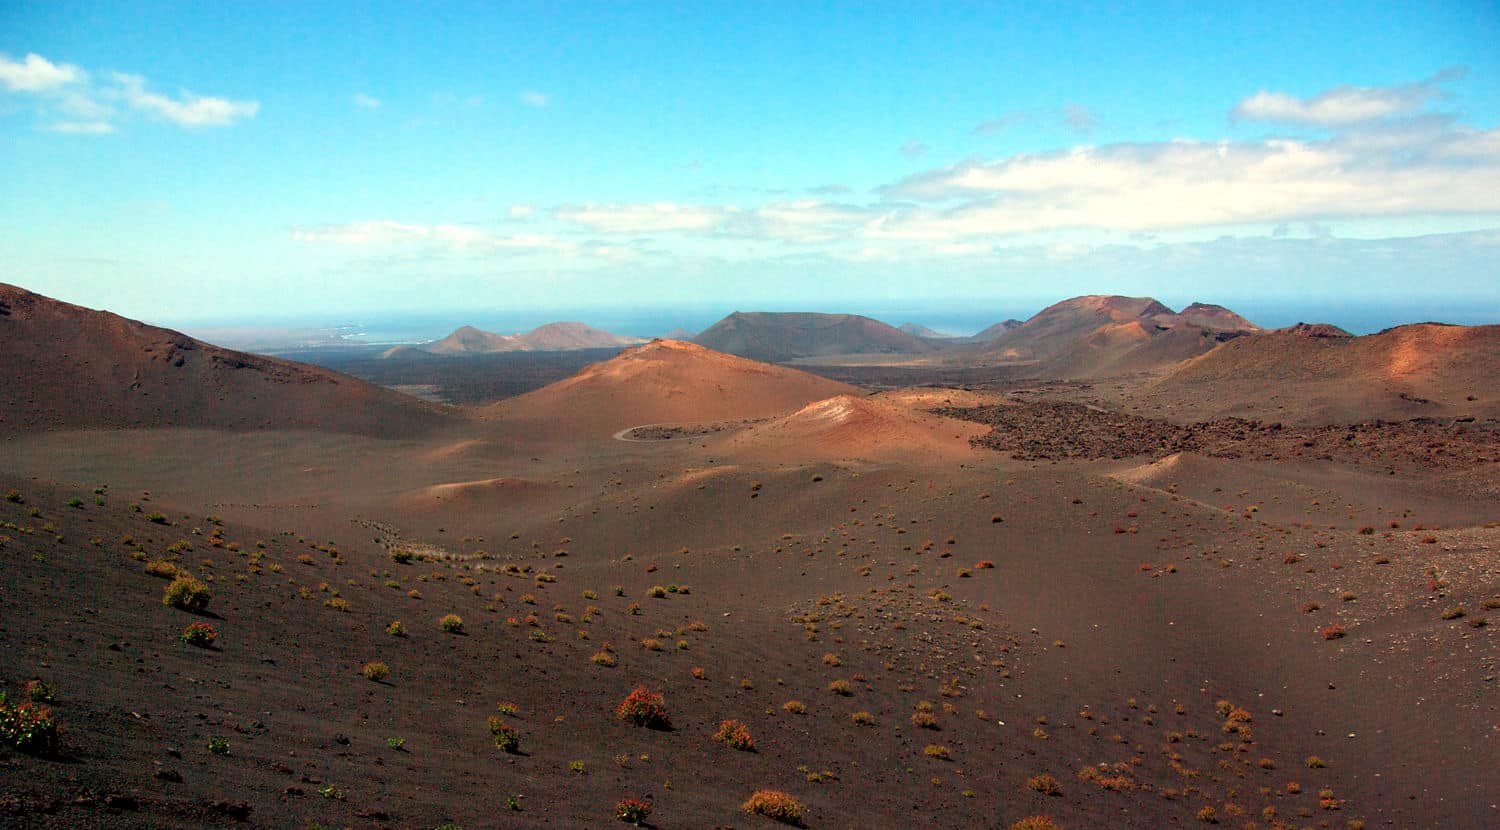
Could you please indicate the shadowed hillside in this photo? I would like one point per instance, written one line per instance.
(63, 366)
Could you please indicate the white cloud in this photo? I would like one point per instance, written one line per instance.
(81, 105)
(1344, 105)
(914, 149)
(534, 99)
(389, 232)
(801, 221)
(1336, 107)
(69, 100)
(191, 111)
(1083, 205)
(364, 101)
(1393, 172)
(644, 218)
(35, 73)
(83, 127)
(1185, 183)
(376, 231)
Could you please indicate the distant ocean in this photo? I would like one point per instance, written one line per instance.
(418, 327)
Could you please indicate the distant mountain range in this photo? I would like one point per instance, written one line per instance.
(1102, 335)
(777, 337)
(553, 337)
(1082, 336)
(67, 367)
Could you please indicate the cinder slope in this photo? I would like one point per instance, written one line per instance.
(470, 340)
(782, 336)
(65, 366)
(1063, 324)
(1306, 375)
(926, 333)
(573, 335)
(850, 426)
(1129, 348)
(1215, 318)
(995, 331)
(1111, 336)
(664, 381)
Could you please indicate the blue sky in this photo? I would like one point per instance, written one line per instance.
(180, 162)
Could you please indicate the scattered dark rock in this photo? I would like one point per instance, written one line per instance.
(238, 810)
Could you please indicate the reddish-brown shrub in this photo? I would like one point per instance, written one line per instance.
(1044, 784)
(506, 737)
(632, 810)
(199, 634)
(643, 707)
(734, 734)
(774, 804)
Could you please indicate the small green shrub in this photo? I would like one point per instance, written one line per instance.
(396, 629)
(218, 746)
(507, 739)
(632, 811)
(156, 518)
(199, 634)
(375, 671)
(452, 623)
(187, 593)
(28, 727)
(40, 691)
(162, 568)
